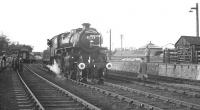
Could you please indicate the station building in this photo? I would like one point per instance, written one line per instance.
(153, 50)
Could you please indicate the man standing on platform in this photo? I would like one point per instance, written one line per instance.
(142, 70)
(20, 65)
(4, 61)
(147, 54)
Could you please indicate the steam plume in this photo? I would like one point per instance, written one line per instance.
(55, 68)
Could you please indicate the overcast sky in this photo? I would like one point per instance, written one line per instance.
(32, 22)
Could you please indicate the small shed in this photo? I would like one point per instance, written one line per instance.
(188, 49)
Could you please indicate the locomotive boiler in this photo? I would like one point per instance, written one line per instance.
(79, 54)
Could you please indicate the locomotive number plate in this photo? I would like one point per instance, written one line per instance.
(91, 37)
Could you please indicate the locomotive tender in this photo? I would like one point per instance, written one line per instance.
(79, 54)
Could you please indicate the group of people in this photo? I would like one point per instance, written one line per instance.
(17, 64)
(142, 72)
(14, 63)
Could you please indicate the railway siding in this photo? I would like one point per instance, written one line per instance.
(154, 100)
(161, 86)
(121, 97)
(181, 90)
(154, 88)
(167, 99)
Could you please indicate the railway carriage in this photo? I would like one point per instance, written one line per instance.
(24, 54)
(79, 54)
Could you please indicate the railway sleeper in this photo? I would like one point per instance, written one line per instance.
(58, 101)
(54, 99)
(62, 105)
(57, 108)
(23, 100)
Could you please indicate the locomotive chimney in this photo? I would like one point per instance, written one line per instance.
(86, 25)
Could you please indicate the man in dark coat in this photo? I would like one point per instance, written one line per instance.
(20, 65)
(3, 61)
(142, 70)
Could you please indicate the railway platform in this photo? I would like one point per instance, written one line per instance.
(7, 97)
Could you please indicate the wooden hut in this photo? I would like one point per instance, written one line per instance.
(188, 49)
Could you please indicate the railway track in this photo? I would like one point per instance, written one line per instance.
(156, 78)
(141, 99)
(192, 92)
(46, 95)
(24, 96)
(113, 102)
(175, 102)
(165, 92)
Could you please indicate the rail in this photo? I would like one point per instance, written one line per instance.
(33, 96)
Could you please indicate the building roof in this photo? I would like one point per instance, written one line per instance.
(191, 39)
(150, 45)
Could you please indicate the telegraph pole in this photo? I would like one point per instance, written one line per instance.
(197, 17)
(110, 46)
(121, 43)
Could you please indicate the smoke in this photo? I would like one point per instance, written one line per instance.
(55, 68)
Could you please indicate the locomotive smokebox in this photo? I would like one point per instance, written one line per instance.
(86, 25)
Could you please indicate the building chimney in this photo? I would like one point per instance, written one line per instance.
(86, 25)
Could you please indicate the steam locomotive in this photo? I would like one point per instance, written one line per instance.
(79, 54)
